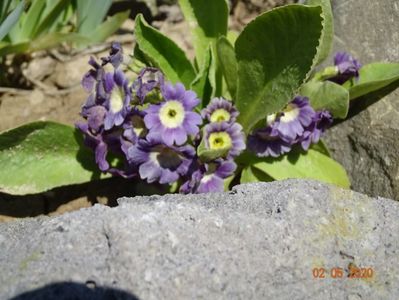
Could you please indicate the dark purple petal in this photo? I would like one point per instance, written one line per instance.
(348, 67)
(115, 56)
(226, 169)
(101, 153)
(109, 82)
(96, 116)
(89, 80)
(263, 144)
(211, 184)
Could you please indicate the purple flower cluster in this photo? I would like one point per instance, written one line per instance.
(151, 129)
(298, 124)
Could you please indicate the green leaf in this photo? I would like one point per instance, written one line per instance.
(43, 155)
(107, 28)
(44, 42)
(275, 54)
(373, 77)
(11, 20)
(327, 95)
(207, 20)
(14, 48)
(232, 36)
(32, 19)
(299, 164)
(163, 53)
(227, 182)
(321, 147)
(201, 85)
(90, 14)
(251, 174)
(327, 37)
(228, 63)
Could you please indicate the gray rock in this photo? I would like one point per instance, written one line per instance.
(367, 144)
(259, 241)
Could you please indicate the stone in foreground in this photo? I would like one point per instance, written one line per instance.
(263, 241)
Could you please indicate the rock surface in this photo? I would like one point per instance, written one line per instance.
(367, 144)
(259, 241)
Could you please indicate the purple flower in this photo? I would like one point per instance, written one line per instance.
(321, 121)
(133, 130)
(220, 110)
(219, 136)
(118, 98)
(148, 80)
(95, 117)
(266, 142)
(96, 143)
(115, 56)
(347, 66)
(173, 119)
(209, 178)
(291, 122)
(158, 162)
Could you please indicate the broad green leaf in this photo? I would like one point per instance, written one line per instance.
(43, 155)
(201, 85)
(275, 54)
(107, 28)
(163, 53)
(207, 20)
(228, 63)
(298, 164)
(327, 95)
(327, 37)
(11, 20)
(373, 77)
(251, 174)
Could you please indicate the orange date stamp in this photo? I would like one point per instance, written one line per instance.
(352, 272)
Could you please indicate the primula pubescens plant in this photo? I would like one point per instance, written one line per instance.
(250, 107)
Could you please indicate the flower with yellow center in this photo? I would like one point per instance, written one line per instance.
(224, 136)
(220, 110)
(171, 121)
(118, 96)
(220, 115)
(171, 114)
(290, 123)
(219, 141)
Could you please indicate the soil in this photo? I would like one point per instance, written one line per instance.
(46, 86)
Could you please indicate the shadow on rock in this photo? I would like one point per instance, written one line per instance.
(75, 291)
